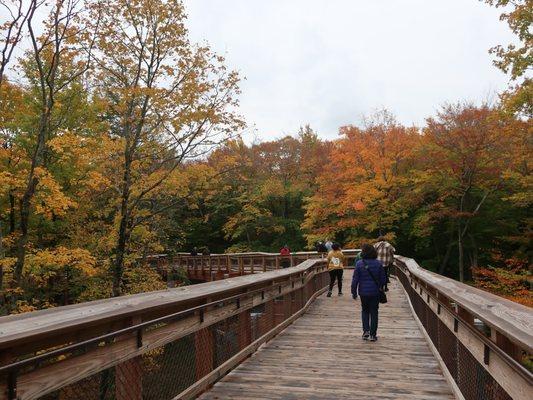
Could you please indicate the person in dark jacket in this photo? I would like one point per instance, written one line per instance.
(368, 287)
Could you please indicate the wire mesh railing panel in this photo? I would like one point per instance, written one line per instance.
(226, 339)
(168, 370)
(432, 327)
(262, 319)
(448, 348)
(473, 379)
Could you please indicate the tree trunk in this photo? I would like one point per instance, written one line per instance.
(123, 232)
(474, 252)
(47, 99)
(11, 212)
(248, 239)
(460, 249)
(25, 205)
(446, 258)
(437, 252)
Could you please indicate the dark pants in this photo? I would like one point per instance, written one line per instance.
(387, 273)
(335, 274)
(369, 313)
(285, 262)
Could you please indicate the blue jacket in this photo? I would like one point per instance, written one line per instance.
(362, 282)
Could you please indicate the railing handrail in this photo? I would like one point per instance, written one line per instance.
(247, 254)
(513, 320)
(36, 325)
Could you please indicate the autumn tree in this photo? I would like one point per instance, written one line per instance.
(517, 59)
(54, 63)
(361, 184)
(465, 164)
(167, 101)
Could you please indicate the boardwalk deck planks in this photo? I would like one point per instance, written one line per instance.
(321, 356)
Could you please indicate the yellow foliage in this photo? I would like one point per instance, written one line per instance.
(50, 199)
(45, 264)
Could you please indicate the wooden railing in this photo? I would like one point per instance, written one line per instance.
(169, 344)
(484, 342)
(220, 266)
(175, 343)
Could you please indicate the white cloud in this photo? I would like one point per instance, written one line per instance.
(329, 62)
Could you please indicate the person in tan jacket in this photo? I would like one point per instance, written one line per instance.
(336, 261)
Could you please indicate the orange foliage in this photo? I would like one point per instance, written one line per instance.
(362, 179)
(512, 283)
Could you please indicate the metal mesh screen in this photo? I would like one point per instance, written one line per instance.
(448, 348)
(474, 381)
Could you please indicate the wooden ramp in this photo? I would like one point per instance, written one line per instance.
(322, 356)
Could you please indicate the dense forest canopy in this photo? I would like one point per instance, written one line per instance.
(119, 138)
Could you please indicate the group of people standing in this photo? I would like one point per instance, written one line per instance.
(369, 280)
(324, 246)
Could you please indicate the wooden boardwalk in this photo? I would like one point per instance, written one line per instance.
(322, 356)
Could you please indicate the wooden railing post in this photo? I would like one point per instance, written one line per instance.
(241, 266)
(128, 376)
(204, 350)
(128, 380)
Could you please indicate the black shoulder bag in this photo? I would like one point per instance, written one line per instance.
(382, 294)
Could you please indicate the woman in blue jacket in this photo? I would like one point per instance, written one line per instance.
(368, 287)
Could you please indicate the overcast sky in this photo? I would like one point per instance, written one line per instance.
(328, 62)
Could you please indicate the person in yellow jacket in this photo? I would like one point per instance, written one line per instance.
(336, 262)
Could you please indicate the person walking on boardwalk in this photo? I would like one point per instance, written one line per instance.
(329, 245)
(285, 253)
(385, 255)
(367, 281)
(336, 261)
